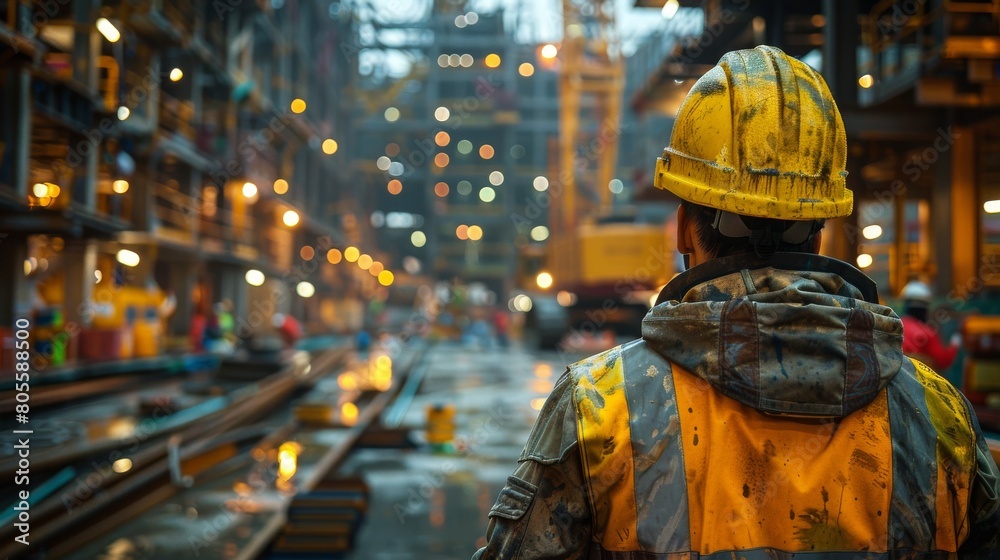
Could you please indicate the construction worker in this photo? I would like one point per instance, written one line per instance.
(768, 410)
(920, 340)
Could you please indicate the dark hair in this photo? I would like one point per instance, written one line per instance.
(717, 245)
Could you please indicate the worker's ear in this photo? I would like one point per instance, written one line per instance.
(685, 237)
(817, 241)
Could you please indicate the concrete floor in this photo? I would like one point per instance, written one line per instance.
(431, 506)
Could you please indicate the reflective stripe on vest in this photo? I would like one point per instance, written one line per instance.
(768, 485)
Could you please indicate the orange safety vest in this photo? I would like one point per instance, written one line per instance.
(676, 470)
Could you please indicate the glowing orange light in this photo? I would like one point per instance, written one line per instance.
(486, 151)
(349, 414)
(395, 186)
(441, 160)
(307, 253)
(462, 232)
(442, 138)
(526, 69)
(441, 189)
(334, 256)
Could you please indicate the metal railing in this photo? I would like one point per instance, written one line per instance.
(899, 39)
(177, 116)
(176, 211)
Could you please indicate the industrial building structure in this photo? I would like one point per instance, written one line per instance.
(174, 152)
(452, 144)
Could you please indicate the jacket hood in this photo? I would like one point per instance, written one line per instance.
(794, 336)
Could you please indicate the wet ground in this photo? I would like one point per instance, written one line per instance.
(423, 504)
(427, 505)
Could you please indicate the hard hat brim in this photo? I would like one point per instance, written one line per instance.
(800, 196)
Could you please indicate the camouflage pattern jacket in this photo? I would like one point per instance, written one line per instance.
(766, 410)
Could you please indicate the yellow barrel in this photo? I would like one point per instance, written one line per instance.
(440, 424)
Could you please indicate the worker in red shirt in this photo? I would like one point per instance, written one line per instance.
(920, 339)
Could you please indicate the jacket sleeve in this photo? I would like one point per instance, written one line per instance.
(984, 503)
(543, 511)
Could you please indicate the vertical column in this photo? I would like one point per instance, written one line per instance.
(840, 59)
(17, 295)
(941, 222)
(79, 264)
(898, 270)
(182, 282)
(964, 212)
(18, 92)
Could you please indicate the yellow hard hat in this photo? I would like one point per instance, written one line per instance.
(759, 135)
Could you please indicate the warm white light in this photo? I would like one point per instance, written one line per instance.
(865, 260)
(487, 194)
(442, 114)
(123, 113)
(98, 276)
(565, 298)
(122, 465)
(109, 30)
(466, 60)
(305, 289)
(522, 303)
(290, 218)
(443, 61)
(872, 232)
(40, 190)
(418, 238)
(670, 9)
(383, 163)
(176, 74)
(540, 183)
(254, 277)
(544, 280)
(866, 81)
(549, 51)
(539, 233)
(496, 178)
(120, 186)
(392, 114)
(249, 190)
(128, 258)
(992, 206)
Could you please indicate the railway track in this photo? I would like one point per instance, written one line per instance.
(226, 434)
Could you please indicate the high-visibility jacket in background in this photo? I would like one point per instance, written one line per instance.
(767, 412)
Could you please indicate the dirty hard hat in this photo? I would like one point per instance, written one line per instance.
(759, 135)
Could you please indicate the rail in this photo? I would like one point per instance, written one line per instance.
(176, 210)
(199, 433)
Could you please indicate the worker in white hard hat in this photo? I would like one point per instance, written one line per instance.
(920, 340)
(768, 411)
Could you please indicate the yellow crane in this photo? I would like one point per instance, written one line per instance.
(601, 268)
